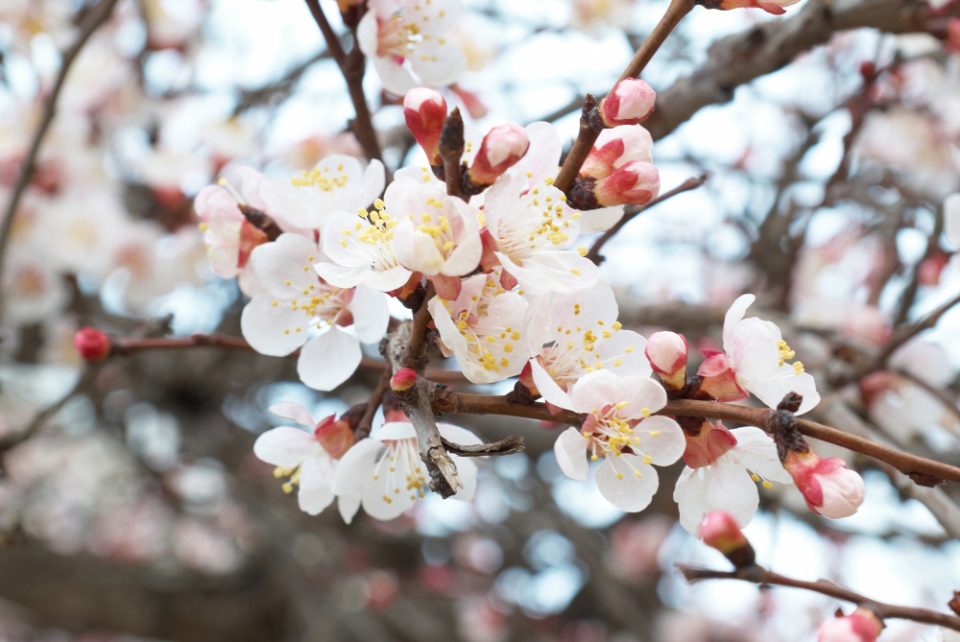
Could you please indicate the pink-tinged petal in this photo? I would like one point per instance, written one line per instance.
(348, 505)
(284, 446)
(570, 449)
(734, 315)
(661, 439)
(316, 477)
(294, 412)
(371, 314)
(271, 329)
(549, 390)
(329, 359)
(627, 482)
(355, 467)
(396, 430)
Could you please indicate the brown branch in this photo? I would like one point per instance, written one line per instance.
(632, 213)
(905, 334)
(352, 66)
(376, 397)
(451, 151)
(590, 123)
(250, 98)
(93, 20)
(922, 470)
(123, 346)
(763, 577)
(413, 355)
(42, 416)
(506, 446)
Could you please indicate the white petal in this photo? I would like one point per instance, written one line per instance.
(279, 265)
(570, 449)
(395, 78)
(627, 482)
(735, 314)
(467, 472)
(661, 438)
(348, 505)
(623, 353)
(438, 65)
(329, 359)
(548, 388)
(595, 390)
(371, 314)
(395, 430)
(294, 412)
(316, 477)
(458, 435)
(951, 219)
(355, 467)
(271, 329)
(756, 451)
(600, 220)
(642, 394)
(385, 500)
(772, 391)
(284, 446)
(339, 276)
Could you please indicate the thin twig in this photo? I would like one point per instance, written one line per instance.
(413, 356)
(94, 19)
(41, 417)
(632, 213)
(908, 333)
(763, 577)
(376, 397)
(352, 66)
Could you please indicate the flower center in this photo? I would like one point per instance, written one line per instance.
(396, 37)
(787, 353)
(322, 178)
(609, 433)
(401, 464)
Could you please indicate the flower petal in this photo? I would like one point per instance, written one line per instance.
(371, 314)
(627, 482)
(294, 412)
(316, 477)
(661, 439)
(284, 446)
(329, 359)
(570, 449)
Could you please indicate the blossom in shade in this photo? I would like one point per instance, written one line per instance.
(384, 472)
(722, 472)
(483, 327)
(667, 354)
(860, 626)
(294, 309)
(756, 360)
(829, 487)
(307, 455)
(425, 112)
(573, 333)
(629, 103)
(620, 430)
(408, 42)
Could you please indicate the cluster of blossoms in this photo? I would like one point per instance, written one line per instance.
(509, 295)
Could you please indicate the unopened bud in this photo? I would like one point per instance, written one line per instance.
(827, 485)
(636, 183)
(615, 148)
(667, 354)
(721, 531)
(425, 111)
(719, 379)
(630, 103)
(92, 344)
(501, 148)
(860, 626)
(403, 379)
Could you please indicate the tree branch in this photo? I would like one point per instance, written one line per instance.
(763, 577)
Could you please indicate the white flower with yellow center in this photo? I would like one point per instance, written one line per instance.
(436, 234)
(483, 328)
(572, 334)
(294, 308)
(361, 250)
(408, 44)
(386, 473)
(534, 230)
(620, 431)
(338, 183)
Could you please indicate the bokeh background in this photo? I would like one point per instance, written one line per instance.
(137, 510)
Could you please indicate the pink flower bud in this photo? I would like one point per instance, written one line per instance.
(630, 103)
(92, 344)
(721, 531)
(860, 626)
(615, 148)
(425, 111)
(667, 354)
(828, 486)
(403, 379)
(636, 183)
(719, 379)
(776, 7)
(711, 443)
(501, 148)
(335, 435)
(953, 34)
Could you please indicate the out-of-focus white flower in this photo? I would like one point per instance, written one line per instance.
(408, 42)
